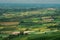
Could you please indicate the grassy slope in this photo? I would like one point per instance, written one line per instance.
(46, 36)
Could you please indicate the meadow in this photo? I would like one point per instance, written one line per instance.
(30, 24)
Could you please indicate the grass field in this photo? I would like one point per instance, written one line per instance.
(41, 24)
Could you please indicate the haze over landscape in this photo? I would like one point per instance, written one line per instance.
(29, 19)
(31, 1)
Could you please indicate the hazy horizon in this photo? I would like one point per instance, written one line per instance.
(31, 1)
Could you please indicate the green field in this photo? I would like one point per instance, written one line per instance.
(40, 24)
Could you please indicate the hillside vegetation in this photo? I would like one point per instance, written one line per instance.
(30, 24)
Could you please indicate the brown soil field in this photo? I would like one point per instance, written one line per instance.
(9, 23)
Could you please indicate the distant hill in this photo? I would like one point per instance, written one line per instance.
(14, 5)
